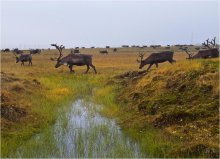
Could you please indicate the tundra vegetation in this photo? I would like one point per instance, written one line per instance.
(172, 110)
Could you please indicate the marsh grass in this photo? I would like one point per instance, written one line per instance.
(58, 88)
(153, 141)
(79, 131)
(42, 106)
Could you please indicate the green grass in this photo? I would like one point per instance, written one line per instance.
(134, 103)
(56, 92)
(153, 142)
(183, 109)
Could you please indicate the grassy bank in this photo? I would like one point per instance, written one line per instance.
(172, 111)
(29, 106)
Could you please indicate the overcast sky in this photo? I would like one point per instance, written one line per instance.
(37, 24)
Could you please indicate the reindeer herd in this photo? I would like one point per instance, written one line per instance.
(79, 59)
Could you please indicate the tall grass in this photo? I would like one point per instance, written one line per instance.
(55, 92)
(58, 87)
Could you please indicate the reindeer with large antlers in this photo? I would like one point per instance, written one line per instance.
(210, 52)
(155, 58)
(73, 59)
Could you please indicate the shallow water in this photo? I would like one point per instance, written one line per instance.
(80, 131)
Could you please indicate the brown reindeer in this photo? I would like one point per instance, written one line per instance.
(155, 58)
(73, 59)
(210, 52)
(24, 58)
(103, 52)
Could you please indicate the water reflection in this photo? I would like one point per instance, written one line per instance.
(88, 134)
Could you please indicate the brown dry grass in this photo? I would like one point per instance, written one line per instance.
(105, 64)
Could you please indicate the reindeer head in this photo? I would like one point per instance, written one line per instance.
(141, 55)
(60, 49)
(17, 59)
(190, 54)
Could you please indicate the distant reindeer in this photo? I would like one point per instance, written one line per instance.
(114, 50)
(103, 52)
(17, 51)
(6, 50)
(209, 52)
(155, 46)
(24, 58)
(197, 48)
(73, 59)
(155, 58)
(125, 46)
(35, 51)
(75, 51)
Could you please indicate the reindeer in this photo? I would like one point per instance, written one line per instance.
(24, 58)
(36, 51)
(17, 51)
(73, 59)
(155, 58)
(103, 52)
(125, 46)
(6, 50)
(210, 52)
(75, 51)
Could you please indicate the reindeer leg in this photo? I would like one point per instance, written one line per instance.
(71, 68)
(93, 68)
(149, 67)
(156, 65)
(87, 69)
(31, 63)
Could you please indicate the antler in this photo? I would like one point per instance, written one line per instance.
(213, 42)
(141, 55)
(206, 44)
(187, 52)
(60, 49)
(15, 54)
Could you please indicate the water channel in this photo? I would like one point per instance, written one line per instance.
(80, 131)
